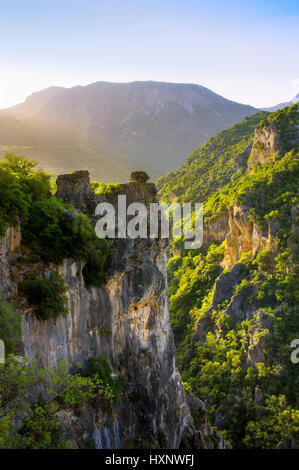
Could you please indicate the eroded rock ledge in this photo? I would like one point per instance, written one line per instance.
(132, 309)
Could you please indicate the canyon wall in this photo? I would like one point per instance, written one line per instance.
(127, 320)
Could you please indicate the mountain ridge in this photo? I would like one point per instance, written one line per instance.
(234, 302)
(149, 125)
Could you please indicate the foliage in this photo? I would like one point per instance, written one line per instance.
(17, 380)
(105, 189)
(41, 429)
(286, 121)
(19, 165)
(221, 159)
(55, 233)
(46, 296)
(10, 326)
(93, 271)
(254, 403)
(50, 229)
(20, 185)
(269, 191)
(279, 425)
(190, 277)
(217, 368)
(63, 390)
(100, 367)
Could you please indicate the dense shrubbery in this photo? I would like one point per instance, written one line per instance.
(55, 233)
(10, 326)
(254, 405)
(222, 159)
(271, 187)
(20, 185)
(216, 367)
(93, 271)
(46, 296)
(64, 391)
(51, 230)
(105, 189)
(285, 121)
(100, 367)
(190, 277)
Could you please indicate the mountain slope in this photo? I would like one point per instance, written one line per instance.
(213, 165)
(283, 105)
(234, 304)
(148, 125)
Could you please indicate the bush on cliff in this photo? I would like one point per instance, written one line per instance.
(105, 189)
(100, 367)
(241, 365)
(55, 231)
(51, 229)
(10, 326)
(20, 185)
(47, 296)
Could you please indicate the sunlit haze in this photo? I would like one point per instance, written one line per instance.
(245, 51)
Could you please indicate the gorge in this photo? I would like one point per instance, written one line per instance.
(127, 321)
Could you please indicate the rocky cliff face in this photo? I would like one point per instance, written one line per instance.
(117, 126)
(266, 145)
(126, 320)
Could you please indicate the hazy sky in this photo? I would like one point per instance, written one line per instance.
(247, 51)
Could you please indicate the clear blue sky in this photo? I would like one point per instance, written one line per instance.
(247, 51)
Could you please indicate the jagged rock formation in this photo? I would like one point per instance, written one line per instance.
(237, 298)
(242, 235)
(126, 320)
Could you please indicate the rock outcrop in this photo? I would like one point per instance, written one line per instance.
(266, 145)
(244, 235)
(127, 320)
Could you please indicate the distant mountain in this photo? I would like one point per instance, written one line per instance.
(283, 105)
(114, 128)
(213, 165)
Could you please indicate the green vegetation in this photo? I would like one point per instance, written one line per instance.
(221, 159)
(190, 277)
(65, 391)
(241, 366)
(285, 121)
(46, 296)
(105, 189)
(20, 185)
(217, 367)
(269, 192)
(51, 230)
(54, 232)
(93, 271)
(10, 326)
(100, 368)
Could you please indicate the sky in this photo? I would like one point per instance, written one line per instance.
(247, 51)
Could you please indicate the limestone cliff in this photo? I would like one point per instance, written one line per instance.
(242, 234)
(269, 140)
(127, 320)
(266, 144)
